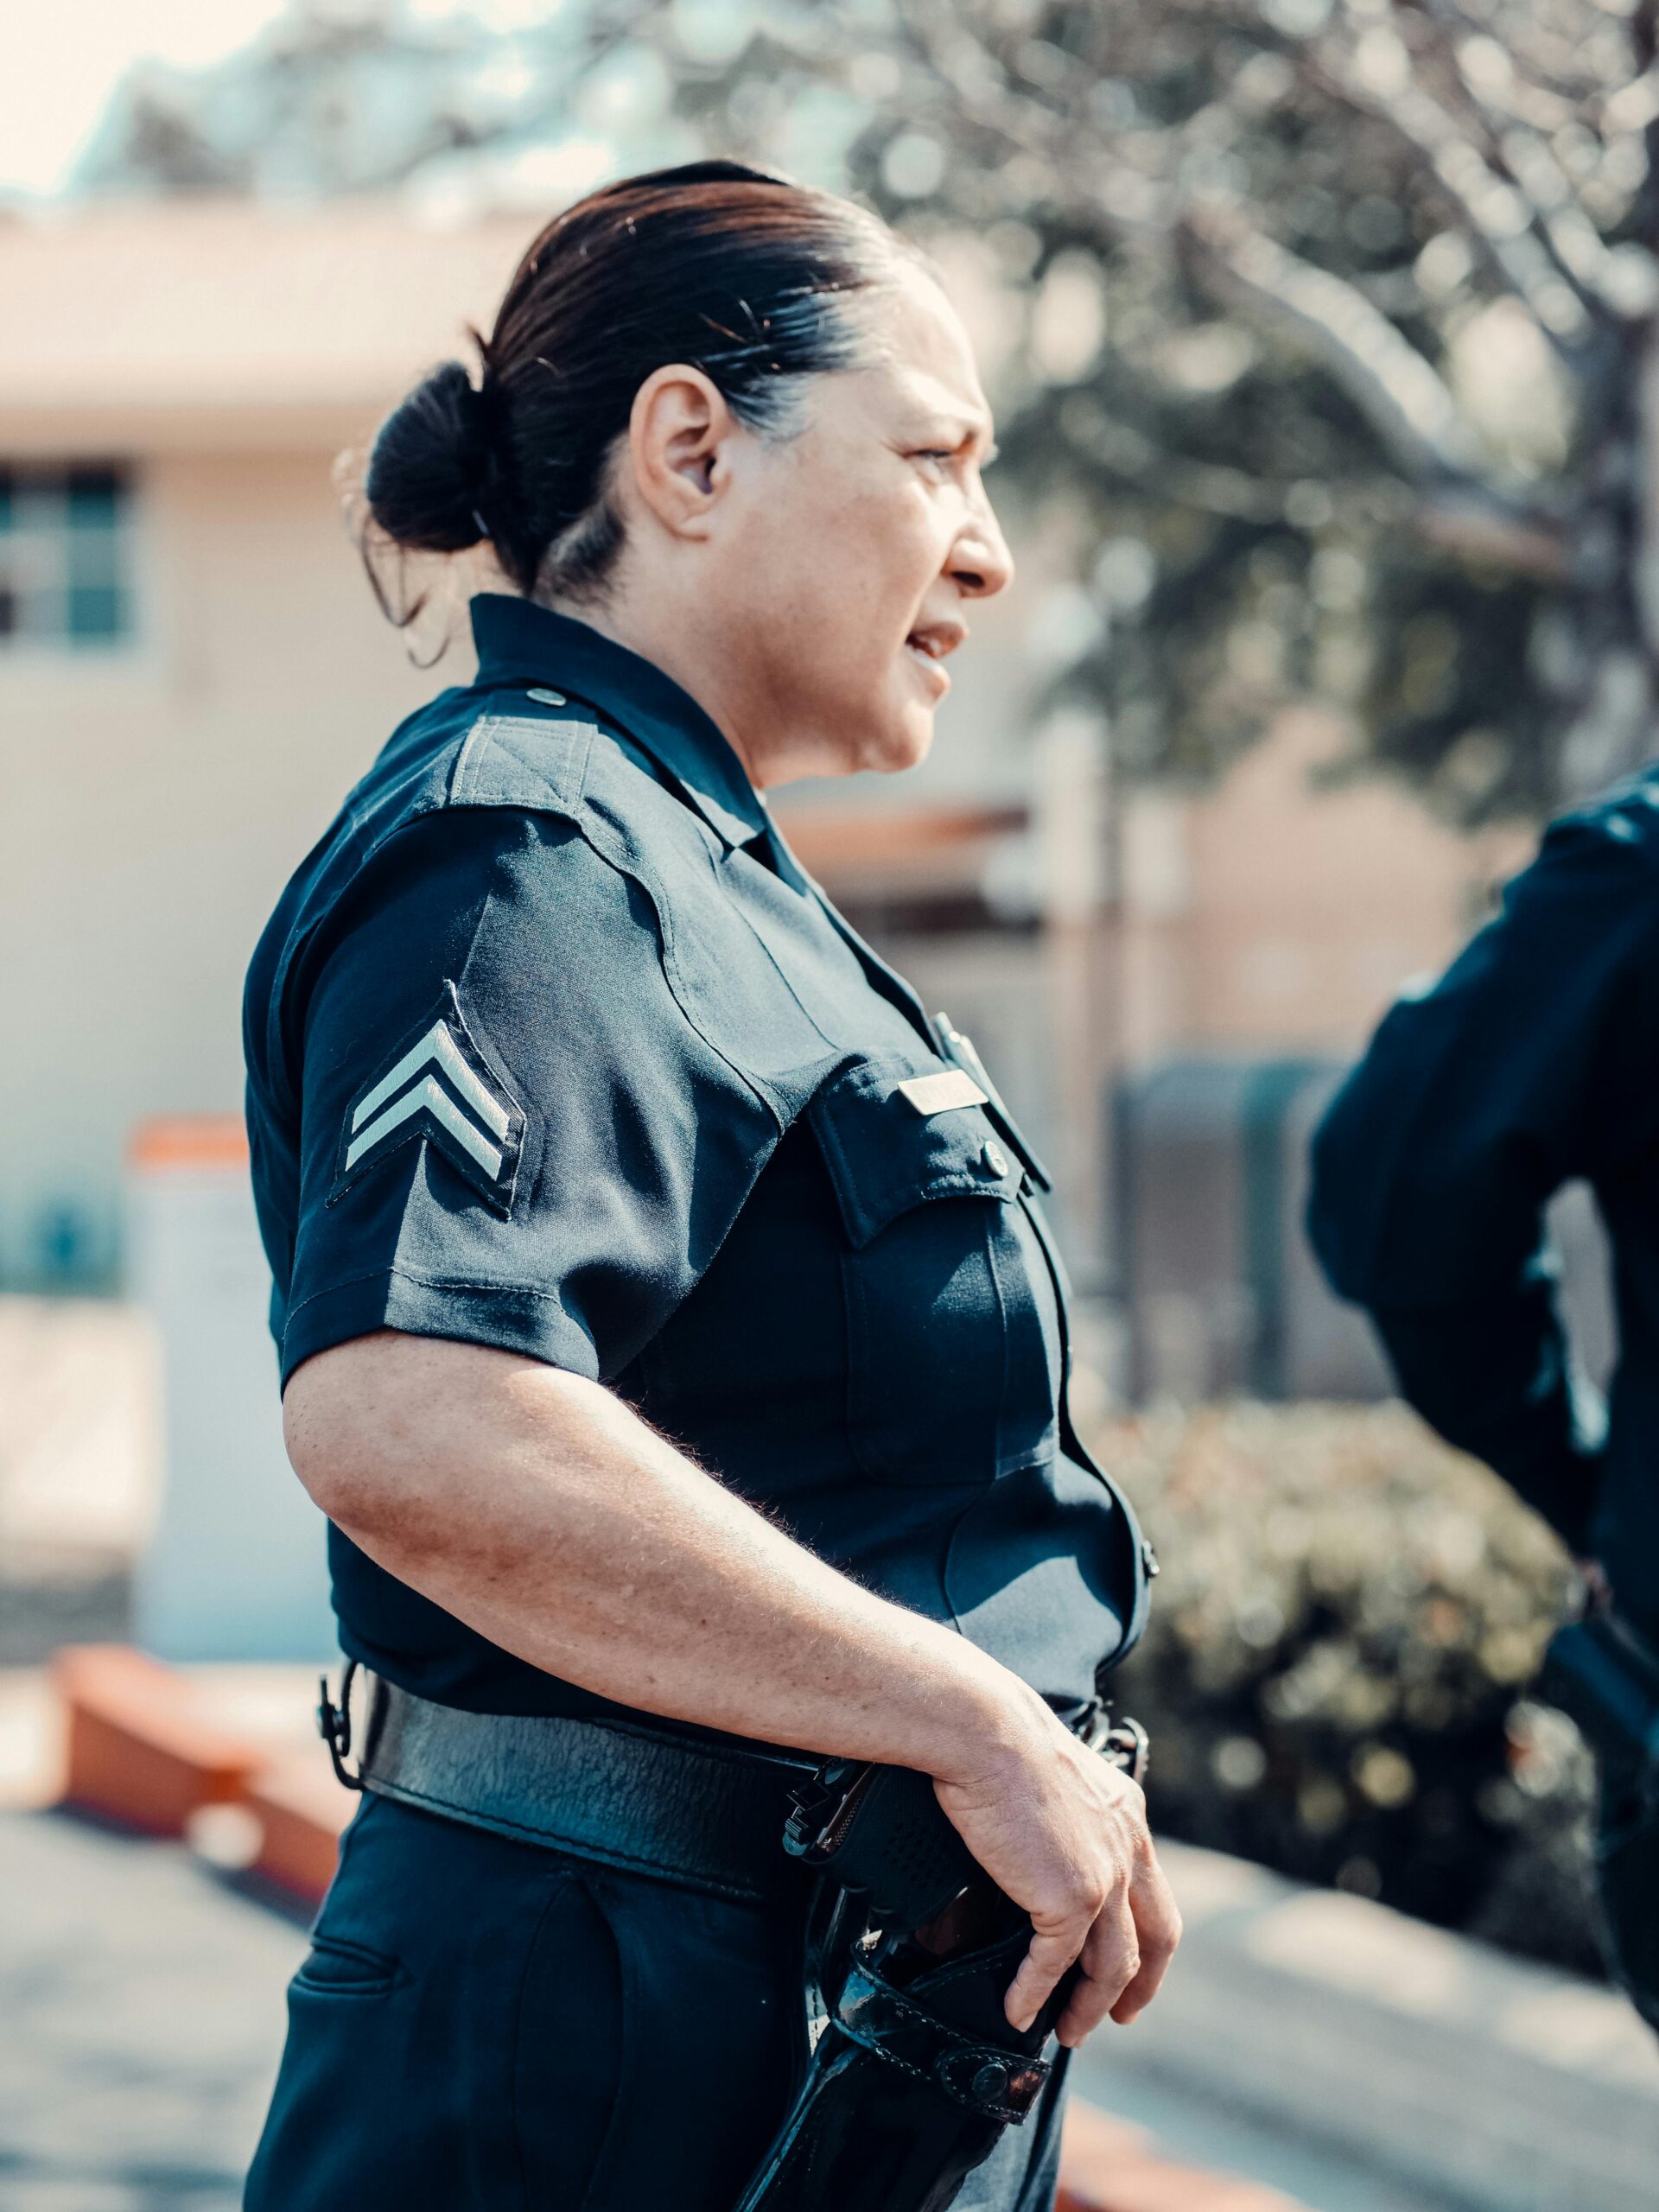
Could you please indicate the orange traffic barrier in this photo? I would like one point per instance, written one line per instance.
(300, 1810)
(140, 1748)
(1107, 2165)
(169, 1142)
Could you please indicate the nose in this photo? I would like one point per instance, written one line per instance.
(980, 564)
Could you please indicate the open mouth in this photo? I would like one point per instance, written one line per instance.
(927, 651)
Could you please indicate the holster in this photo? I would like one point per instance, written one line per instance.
(914, 2077)
(914, 2070)
(1605, 1674)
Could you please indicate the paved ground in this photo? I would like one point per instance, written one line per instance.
(1199, 2130)
(141, 2018)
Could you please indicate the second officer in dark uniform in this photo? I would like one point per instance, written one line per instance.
(668, 1323)
(1534, 1060)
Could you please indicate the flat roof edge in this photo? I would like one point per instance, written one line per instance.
(76, 428)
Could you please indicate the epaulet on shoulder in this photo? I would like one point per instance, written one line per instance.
(1626, 815)
(515, 752)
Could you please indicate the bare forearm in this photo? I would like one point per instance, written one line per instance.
(536, 1507)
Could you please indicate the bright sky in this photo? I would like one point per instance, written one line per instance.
(59, 60)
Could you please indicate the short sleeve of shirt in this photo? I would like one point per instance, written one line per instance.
(510, 1133)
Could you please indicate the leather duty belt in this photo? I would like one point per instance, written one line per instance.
(705, 1816)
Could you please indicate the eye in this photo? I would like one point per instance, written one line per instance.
(945, 454)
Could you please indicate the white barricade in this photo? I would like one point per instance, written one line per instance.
(236, 1567)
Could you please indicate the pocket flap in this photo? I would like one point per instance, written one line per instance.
(959, 1048)
(887, 1151)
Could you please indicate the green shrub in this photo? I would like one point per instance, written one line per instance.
(1336, 1674)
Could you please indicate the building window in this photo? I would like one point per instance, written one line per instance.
(65, 557)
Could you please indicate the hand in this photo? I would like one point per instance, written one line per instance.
(1063, 1833)
(1598, 1586)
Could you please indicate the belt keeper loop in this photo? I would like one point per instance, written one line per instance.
(335, 1726)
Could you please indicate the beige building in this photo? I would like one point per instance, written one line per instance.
(191, 670)
(1276, 914)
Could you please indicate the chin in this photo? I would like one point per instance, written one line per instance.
(900, 741)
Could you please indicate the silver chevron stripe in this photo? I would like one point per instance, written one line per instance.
(433, 1097)
(437, 1044)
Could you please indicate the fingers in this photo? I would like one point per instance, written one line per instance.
(1075, 1852)
(1157, 1927)
(1110, 1961)
(1126, 1954)
(1053, 1952)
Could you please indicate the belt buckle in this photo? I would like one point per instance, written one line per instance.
(1127, 1746)
(1124, 1743)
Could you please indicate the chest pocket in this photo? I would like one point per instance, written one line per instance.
(952, 1334)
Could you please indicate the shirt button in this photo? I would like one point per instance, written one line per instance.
(994, 1161)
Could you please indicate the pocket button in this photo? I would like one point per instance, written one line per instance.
(993, 1160)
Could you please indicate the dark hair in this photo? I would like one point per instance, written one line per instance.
(739, 271)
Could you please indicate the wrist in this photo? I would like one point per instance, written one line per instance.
(996, 1723)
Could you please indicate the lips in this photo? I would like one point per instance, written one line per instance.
(937, 679)
(927, 646)
(935, 639)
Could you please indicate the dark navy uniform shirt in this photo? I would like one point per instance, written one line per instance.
(553, 1047)
(1534, 1060)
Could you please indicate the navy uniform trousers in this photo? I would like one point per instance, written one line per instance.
(483, 2025)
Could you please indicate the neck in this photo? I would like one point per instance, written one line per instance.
(686, 648)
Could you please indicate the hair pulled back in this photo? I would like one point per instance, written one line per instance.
(739, 272)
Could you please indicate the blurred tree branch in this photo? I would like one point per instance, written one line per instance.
(1382, 206)
(1327, 323)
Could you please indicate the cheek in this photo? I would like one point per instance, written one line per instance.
(830, 585)
(894, 543)
(861, 570)
(857, 547)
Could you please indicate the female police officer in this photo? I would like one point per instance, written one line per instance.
(667, 1328)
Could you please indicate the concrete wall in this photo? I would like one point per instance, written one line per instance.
(1277, 913)
(154, 801)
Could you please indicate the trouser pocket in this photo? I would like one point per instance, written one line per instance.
(487, 2026)
(338, 1967)
(656, 2046)
(395, 2092)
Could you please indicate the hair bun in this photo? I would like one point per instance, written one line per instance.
(431, 466)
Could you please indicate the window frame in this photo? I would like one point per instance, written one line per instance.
(115, 567)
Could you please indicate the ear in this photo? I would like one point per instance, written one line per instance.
(679, 432)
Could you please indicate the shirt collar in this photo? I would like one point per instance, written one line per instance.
(517, 639)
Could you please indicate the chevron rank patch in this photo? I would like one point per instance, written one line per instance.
(438, 1088)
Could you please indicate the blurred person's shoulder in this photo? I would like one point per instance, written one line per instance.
(1623, 819)
(1594, 879)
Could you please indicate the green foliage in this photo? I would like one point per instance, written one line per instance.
(1336, 1675)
